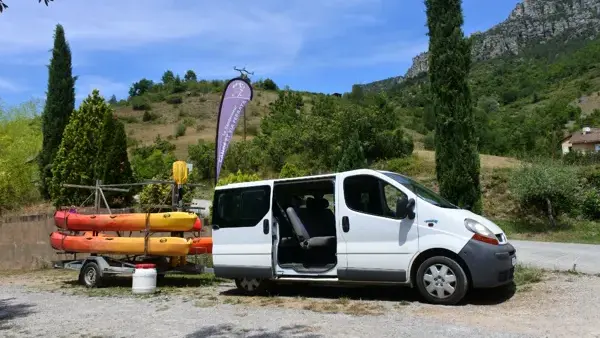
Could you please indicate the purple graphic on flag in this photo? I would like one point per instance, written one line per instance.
(237, 94)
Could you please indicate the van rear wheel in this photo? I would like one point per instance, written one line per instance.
(441, 280)
(251, 286)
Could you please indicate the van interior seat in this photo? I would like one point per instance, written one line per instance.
(320, 221)
(306, 240)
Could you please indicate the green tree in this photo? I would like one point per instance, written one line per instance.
(353, 156)
(77, 156)
(60, 103)
(168, 77)
(141, 87)
(112, 164)
(190, 76)
(113, 100)
(457, 158)
(269, 84)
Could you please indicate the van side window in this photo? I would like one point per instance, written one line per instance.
(243, 207)
(371, 195)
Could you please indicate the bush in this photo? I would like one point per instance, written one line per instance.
(290, 170)
(409, 166)
(155, 194)
(238, 177)
(590, 206)
(140, 103)
(189, 122)
(429, 141)
(547, 189)
(149, 116)
(174, 99)
(180, 130)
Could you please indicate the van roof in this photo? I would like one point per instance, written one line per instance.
(301, 178)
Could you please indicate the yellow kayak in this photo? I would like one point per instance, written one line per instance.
(164, 221)
(103, 244)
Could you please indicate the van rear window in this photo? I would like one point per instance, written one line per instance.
(243, 207)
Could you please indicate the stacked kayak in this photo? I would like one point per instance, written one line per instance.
(157, 222)
(91, 241)
(104, 244)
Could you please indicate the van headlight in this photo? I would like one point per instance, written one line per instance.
(481, 232)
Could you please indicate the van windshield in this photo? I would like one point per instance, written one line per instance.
(421, 191)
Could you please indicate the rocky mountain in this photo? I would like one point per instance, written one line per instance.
(531, 23)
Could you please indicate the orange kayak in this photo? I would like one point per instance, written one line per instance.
(201, 245)
(160, 222)
(103, 244)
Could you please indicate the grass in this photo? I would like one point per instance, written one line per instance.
(576, 232)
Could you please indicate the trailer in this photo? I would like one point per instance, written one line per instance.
(95, 269)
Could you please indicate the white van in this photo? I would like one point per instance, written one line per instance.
(362, 226)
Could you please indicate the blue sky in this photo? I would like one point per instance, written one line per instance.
(315, 45)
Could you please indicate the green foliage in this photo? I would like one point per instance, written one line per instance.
(238, 177)
(149, 116)
(113, 100)
(429, 141)
(20, 142)
(290, 170)
(410, 166)
(266, 84)
(140, 103)
(174, 99)
(353, 156)
(202, 156)
(457, 157)
(141, 87)
(94, 146)
(190, 76)
(180, 130)
(155, 194)
(60, 103)
(112, 164)
(168, 77)
(546, 189)
(155, 160)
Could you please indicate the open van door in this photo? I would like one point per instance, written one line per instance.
(241, 221)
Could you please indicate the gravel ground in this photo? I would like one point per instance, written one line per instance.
(33, 305)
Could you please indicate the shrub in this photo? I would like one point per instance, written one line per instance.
(128, 119)
(409, 166)
(429, 141)
(155, 194)
(290, 170)
(140, 103)
(547, 189)
(590, 206)
(189, 122)
(174, 99)
(238, 177)
(149, 116)
(180, 130)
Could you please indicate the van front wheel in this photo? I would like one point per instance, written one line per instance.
(251, 286)
(441, 280)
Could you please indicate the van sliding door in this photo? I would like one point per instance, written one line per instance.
(242, 240)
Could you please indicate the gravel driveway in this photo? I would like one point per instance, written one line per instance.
(46, 305)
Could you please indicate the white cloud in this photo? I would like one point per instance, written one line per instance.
(267, 34)
(10, 86)
(107, 87)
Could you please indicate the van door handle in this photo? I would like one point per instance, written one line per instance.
(266, 226)
(345, 224)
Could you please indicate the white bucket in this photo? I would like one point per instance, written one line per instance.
(144, 279)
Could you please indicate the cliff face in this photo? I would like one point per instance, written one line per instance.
(531, 22)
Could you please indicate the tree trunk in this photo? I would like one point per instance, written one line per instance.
(551, 213)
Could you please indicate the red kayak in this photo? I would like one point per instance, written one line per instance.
(201, 245)
(157, 222)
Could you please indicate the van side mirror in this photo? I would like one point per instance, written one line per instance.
(405, 208)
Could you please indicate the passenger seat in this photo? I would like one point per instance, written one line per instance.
(306, 240)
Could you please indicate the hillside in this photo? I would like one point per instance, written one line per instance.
(532, 23)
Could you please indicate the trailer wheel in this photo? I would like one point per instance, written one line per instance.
(90, 275)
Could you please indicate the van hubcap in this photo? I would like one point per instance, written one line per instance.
(249, 284)
(440, 281)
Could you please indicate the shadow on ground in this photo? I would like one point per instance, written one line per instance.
(229, 330)
(176, 281)
(10, 310)
(381, 293)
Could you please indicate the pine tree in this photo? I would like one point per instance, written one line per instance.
(112, 165)
(60, 103)
(94, 146)
(457, 157)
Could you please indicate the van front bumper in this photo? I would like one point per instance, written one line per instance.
(490, 265)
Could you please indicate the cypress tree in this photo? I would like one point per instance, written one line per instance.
(456, 154)
(60, 103)
(353, 156)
